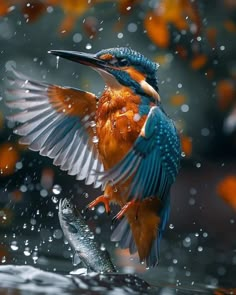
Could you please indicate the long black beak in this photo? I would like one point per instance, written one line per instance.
(80, 57)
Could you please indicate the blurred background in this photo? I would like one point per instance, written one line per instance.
(195, 44)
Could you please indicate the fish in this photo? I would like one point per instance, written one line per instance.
(82, 241)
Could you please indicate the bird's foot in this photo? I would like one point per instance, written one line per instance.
(101, 199)
(123, 210)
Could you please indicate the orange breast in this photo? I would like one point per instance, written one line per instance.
(118, 124)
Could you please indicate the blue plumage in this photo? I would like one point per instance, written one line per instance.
(122, 140)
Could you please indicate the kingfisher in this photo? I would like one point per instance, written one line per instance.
(122, 141)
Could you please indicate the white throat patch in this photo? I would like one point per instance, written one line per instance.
(109, 79)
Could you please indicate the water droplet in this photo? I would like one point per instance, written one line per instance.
(4, 259)
(93, 124)
(54, 199)
(184, 108)
(98, 230)
(200, 248)
(187, 242)
(205, 132)
(57, 62)
(50, 214)
(43, 193)
(198, 165)
(57, 234)
(193, 191)
(35, 256)
(222, 47)
(56, 189)
(14, 246)
(132, 27)
(77, 38)
(102, 247)
(19, 165)
(88, 46)
(95, 139)
(120, 35)
(27, 251)
(85, 195)
(50, 9)
(191, 201)
(179, 85)
(100, 209)
(136, 117)
(205, 234)
(23, 188)
(188, 273)
(171, 226)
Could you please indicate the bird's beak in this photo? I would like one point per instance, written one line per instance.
(80, 57)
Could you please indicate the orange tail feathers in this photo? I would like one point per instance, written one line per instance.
(139, 230)
(144, 222)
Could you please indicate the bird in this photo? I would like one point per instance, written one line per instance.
(122, 141)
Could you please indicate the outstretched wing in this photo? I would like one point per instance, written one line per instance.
(153, 161)
(57, 122)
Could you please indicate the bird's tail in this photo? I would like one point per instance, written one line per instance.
(142, 228)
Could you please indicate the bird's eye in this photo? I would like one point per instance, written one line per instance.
(123, 62)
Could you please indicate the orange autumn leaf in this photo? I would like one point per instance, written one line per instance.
(8, 159)
(33, 9)
(4, 6)
(226, 189)
(187, 145)
(178, 12)
(16, 196)
(162, 59)
(225, 291)
(230, 26)
(157, 30)
(211, 36)
(226, 92)
(91, 25)
(67, 24)
(198, 61)
(178, 99)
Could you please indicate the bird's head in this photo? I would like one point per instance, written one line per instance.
(120, 67)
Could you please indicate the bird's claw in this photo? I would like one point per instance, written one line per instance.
(101, 199)
(122, 212)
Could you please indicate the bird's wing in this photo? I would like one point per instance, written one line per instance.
(153, 162)
(57, 122)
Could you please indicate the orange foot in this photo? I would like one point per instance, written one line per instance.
(123, 210)
(101, 199)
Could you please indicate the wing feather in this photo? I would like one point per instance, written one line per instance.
(153, 162)
(55, 121)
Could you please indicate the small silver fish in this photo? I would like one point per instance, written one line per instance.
(81, 239)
